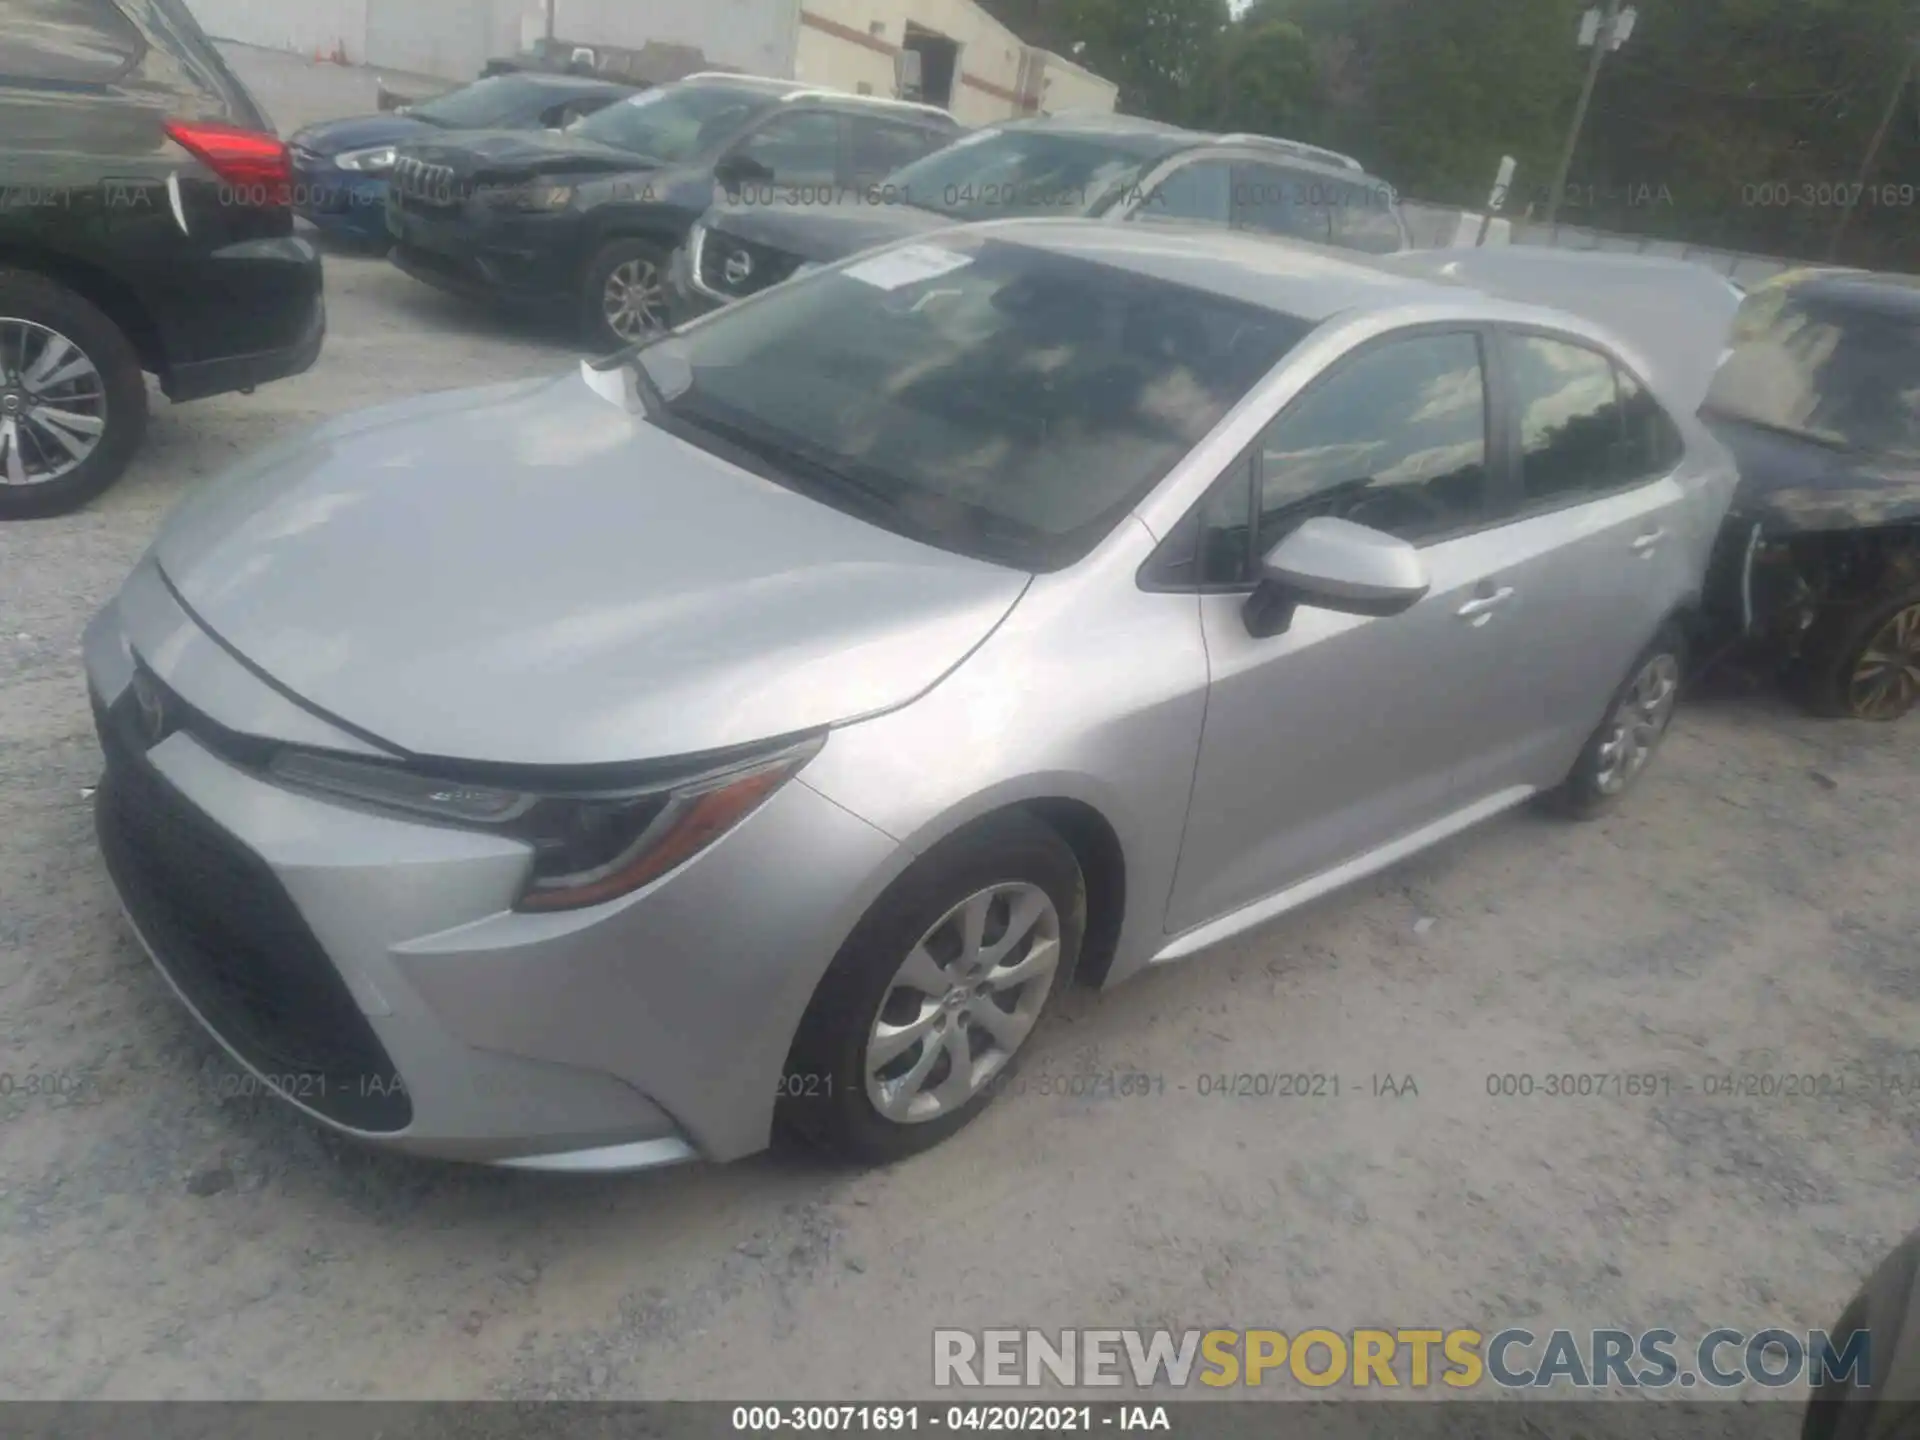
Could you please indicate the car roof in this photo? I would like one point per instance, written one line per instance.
(1310, 282)
(1895, 296)
(1159, 140)
(795, 90)
(561, 84)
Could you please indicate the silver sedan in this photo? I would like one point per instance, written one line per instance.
(754, 732)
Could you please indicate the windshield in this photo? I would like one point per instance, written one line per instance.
(985, 397)
(479, 106)
(1828, 371)
(676, 122)
(998, 174)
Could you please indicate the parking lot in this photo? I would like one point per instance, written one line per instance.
(1751, 913)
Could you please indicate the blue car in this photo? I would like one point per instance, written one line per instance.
(340, 166)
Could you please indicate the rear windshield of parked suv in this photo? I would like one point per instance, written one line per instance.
(998, 174)
(676, 122)
(1831, 372)
(986, 397)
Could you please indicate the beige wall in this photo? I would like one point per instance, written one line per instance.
(847, 43)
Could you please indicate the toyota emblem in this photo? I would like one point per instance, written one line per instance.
(739, 267)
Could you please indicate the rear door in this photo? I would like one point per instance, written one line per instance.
(1596, 552)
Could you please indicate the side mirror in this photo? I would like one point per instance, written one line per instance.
(737, 169)
(1335, 565)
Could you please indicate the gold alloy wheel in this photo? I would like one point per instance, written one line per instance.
(1885, 683)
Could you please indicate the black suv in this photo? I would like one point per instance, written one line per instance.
(1110, 167)
(1818, 397)
(588, 218)
(145, 225)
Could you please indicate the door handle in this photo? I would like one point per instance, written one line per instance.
(1646, 543)
(1481, 610)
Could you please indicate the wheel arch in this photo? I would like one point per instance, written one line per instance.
(1076, 811)
(113, 297)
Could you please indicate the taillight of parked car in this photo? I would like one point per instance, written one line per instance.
(254, 165)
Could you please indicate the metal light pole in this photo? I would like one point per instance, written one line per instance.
(1873, 151)
(551, 5)
(1602, 42)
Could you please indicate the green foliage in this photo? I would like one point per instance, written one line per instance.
(1740, 123)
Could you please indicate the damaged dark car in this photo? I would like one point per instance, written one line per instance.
(1818, 397)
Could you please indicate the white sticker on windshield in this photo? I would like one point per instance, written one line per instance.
(908, 265)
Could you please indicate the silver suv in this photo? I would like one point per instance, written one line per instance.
(1109, 167)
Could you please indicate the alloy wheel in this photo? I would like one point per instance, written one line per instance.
(634, 302)
(53, 404)
(962, 1003)
(1886, 679)
(1637, 723)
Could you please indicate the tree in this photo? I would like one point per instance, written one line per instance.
(1161, 53)
(1262, 80)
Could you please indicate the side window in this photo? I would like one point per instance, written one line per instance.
(1394, 438)
(1272, 200)
(1201, 191)
(1576, 434)
(1653, 445)
(1367, 221)
(881, 147)
(801, 147)
(85, 42)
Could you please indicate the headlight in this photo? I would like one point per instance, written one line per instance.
(379, 158)
(532, 198)
(588, 848)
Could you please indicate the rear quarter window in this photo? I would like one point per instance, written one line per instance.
(66, 42)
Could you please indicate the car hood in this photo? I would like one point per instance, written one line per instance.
(1793, 485)
(336, 137)
(532, 574)
(523, 155)
(823, 233)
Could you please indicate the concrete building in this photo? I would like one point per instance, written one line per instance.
(966, 60)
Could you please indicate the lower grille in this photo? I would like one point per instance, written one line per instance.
(227, 934)
(737, 268)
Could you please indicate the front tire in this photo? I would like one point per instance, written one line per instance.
(1864, 663)
(624, 298)
(1619, 752)
(73, 401)
(930, 1003)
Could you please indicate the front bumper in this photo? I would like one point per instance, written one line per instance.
(481, 253)
(341, 202)
(371, 971)
(268, 295)
(684, 301)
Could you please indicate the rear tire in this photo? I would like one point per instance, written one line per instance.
(624, 296)
(47, 332)
(1887, 1307)
(873, 996)
(1837, 676)
(1619, 752)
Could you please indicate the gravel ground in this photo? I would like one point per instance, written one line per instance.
(1752, 910)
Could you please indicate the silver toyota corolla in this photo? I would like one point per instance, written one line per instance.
(754, 733)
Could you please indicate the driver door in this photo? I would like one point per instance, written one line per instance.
(1346, 734)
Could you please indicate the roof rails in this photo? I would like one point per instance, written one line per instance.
(736, 75)
(886, 100)
(1299, 148)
